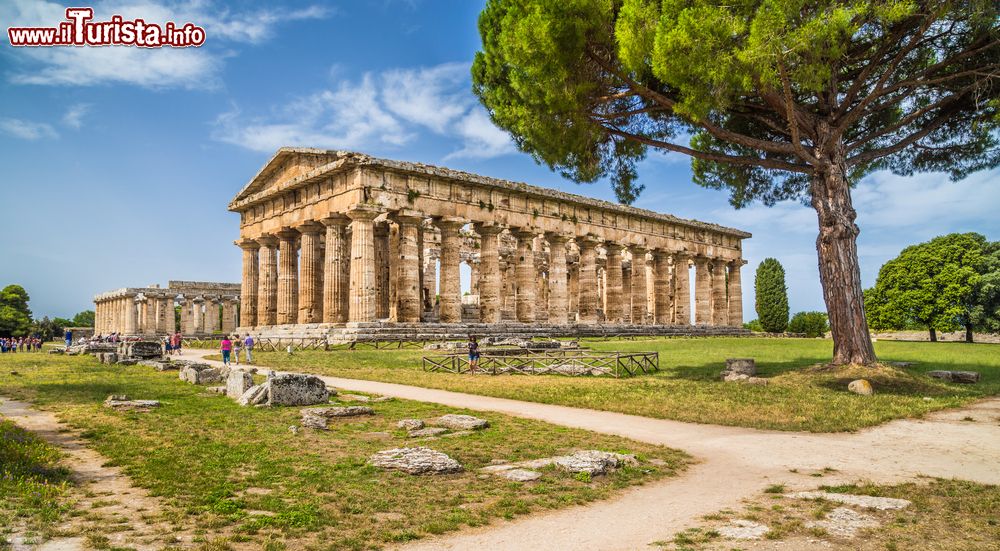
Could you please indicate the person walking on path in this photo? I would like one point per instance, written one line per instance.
(236, 349)
(248, 346)
(227, 349)
(473, 354)
(69, 338)
(177, 343)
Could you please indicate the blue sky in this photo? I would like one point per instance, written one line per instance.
(118, 162)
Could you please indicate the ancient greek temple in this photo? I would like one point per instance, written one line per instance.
(205, 308)
(336, 239)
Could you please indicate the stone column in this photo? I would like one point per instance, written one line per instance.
(682, 289)
(311, 278)
(408, 291)
(702, 291)
(720, 307)
(267, 293)
(627, 292)
(229, 314)
(573, 291)
(489, 273)
(250, 282)
(588, 279)
(131, 316)
(558, 280)
(613, 301)
(336, 280)
(451, 261)
(735, 293)
(164, 315)
(638, 284)
(288, 277)
(663, 311)
(212, 315)
(149, 320)
(363, 277)
(525, 274)
(197, 315)
(429, 279)
(381, 243)
(185, 327)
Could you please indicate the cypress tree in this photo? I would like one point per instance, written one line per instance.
(771, 296)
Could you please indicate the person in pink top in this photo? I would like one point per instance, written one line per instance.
(227, 349)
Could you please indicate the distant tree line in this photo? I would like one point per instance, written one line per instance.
(16, 319)
(946, 284)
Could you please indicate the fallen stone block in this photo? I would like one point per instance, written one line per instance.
(238, 383)
(410, 424)
(459, 422)
(57, 351)
(966, 377)
(141, 349)
(199, 374)
(416, 461)
(844, 522)
(741, 529)
(593, 462)
(127, 361)
(520, 475)
(861, 386)
(254, 396)
(868, 502)
(746, 366)
(295, 389)
(121, 402)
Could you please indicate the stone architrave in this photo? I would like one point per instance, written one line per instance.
(336, 280)
(682, 289)
(525, 274)
(720, 306)
(288, 276)
(363, 277)
(267, 294)
(735, 294)
(702, 291)
(663, 312)
(588, 280)
(639, 298)
(558, 279)
(613, 289)
(451, 284)
(408, 292)
(311, 276)
(489, 273)
(249, 283)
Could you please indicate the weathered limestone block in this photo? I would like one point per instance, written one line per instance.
(967, 377)
(254, 396)
(520, 475)
(410, 424)
(199, 374)
(121, 402)
(295, 389)
(459, 422)
(238, 383)
(741, 529)
(140, 349)
(594, 462)
(419, 460)
(843, 522)
(318, 418)
(746, 366)
(861, 386)
(57, 351)
(868, 502)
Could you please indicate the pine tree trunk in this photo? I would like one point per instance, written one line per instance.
(933, 335)
(968, 332)
(839, 272)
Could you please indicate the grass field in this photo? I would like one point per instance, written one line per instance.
(240, 472)
(33, 485)
(688, 388)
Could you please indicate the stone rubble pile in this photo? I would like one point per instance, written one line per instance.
(287, 389)
(416, 461)
(740, 529)
(844, 522)
(462, 425)
(199, 374)
(319, 418)
(459, 422)
(967, 377)
(592, 462)
(867, 502)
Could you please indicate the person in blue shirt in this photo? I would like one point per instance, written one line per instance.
(69, 338)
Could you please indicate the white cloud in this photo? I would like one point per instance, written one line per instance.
(151, 68)
(387, 109)
(27, 130)
(74, 115)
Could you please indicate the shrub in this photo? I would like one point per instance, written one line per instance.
(753, 325)
(813, 324)
(771, 296)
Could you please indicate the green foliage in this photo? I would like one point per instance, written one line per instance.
(984, 307)
(32, 484)
(754, 325)
(47, 329)
(771, 296)
(812, 324)
(84, 319)
(931, 284)
(15, 316)
(586, 86)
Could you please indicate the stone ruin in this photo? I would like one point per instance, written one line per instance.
(592, 462)
(199, 374)
(742, 370)
(287, 389)
(418, 460)
(319, 418)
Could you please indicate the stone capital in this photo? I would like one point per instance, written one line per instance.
(523, 233)
(587, 241)
(364, 212)
(555, 238)
(267, 240)
(335, 219)
(487, 228)
(407, 217)
(287, 234)
(453, 223)
(309, 226)
(720, 262)
(198, 299)
(613, 247)
(247, 244)
(738, 263)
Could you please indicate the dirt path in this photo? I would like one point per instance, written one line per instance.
(104, 493)
(735, 463)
